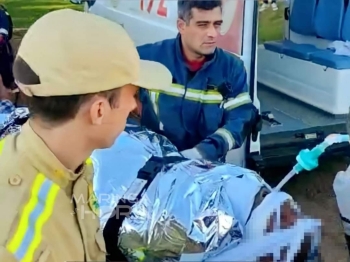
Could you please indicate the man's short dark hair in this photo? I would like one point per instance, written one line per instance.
(184, 7)
(55, 109)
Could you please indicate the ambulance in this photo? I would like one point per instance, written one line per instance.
(299, 84)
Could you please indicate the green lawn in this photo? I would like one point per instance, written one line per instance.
(25, 12)
(271, 24)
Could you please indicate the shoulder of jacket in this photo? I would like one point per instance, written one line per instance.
(155, 50)
(229, 59)
(16, 197)
(16, 185)
(13, 154)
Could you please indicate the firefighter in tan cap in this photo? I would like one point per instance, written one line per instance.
(81, 74)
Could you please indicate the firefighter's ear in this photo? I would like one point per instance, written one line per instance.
(98, 110)
(181, 24)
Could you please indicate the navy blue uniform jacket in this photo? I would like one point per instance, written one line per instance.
(210, 109)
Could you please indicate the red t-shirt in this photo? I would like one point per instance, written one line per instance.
(194, 65)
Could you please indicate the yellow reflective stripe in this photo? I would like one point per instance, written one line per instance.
(227, 136)
(2, 142)
(88, 161)
(177, 86)
(208, 96)
(36, 212)
(241, 99)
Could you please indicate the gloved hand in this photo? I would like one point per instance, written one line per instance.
(192, 153)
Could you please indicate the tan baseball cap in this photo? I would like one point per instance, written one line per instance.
(74, 53)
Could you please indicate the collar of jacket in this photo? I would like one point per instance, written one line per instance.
(43, 159)
(180, 56)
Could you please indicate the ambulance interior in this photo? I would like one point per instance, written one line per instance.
(302, 82)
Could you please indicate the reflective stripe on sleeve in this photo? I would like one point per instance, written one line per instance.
(36, 212)
(202, 96)
(241, 99)
(227, 136)
(3, 31)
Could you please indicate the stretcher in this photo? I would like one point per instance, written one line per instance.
(273, 226)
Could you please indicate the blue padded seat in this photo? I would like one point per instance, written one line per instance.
(300, 51)
(277, 46)
(301, 21)
(302, 17)
(329, 59)
(309, 18)
(328, 22)
(345, 32)
(329, 19)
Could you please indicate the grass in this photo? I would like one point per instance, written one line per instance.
(25, 12)
(271, 24)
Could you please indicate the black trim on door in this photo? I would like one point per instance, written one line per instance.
(242, 38)
(252, 67)
(254, 46)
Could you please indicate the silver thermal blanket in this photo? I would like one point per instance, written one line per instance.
(191, 207)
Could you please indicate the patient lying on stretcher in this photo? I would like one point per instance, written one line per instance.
(217, 211)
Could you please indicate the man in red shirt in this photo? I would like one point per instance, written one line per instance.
(208, 110)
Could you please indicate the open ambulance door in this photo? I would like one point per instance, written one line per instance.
(249, 56)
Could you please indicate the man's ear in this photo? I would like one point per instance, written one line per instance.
(97, 111)
(181, 24)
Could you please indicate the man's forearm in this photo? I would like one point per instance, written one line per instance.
(238, 125)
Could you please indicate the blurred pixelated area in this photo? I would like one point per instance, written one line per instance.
(313, 190)
(314, 193)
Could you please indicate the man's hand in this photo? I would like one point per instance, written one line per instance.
(192, 153)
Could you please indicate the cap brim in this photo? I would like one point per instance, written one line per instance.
(154, 76)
